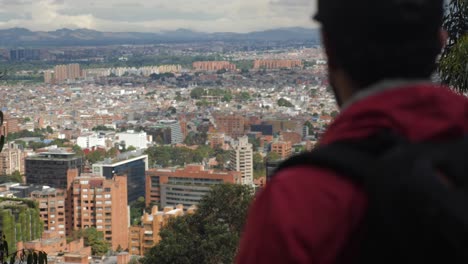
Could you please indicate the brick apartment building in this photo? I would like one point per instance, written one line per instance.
(213, 66)
(94, 201)
(187, 186)
(282, 148)
(11, 125)
(145, 236)
(51, 209)
(232, 125)
(277, 64)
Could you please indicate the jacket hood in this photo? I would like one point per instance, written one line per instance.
(419, 112)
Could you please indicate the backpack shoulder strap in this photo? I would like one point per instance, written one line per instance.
(351, 158)
(340, 158)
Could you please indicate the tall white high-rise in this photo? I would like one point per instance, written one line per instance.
(241, 159)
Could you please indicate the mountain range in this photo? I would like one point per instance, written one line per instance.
(16, 37)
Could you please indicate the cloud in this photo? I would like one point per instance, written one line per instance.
(151, 16)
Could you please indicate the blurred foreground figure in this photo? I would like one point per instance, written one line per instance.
(389, 182)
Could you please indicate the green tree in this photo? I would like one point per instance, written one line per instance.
(255, 142)
(77, 150)
(227, 97)
(453, 65)
(14, 177)
(309, 125)
(130, 148)
(49, 130)
(95, 156)
(211, 235)
(60, 142)
(334, 114)
(92, 238)
(102, 128)
(244, 96)
(136, 210)
(17, 177)
(197, 93)
(178, 97)
(273, 156)
(172, 110)
(258, 165)
(284, 102)
(113, 152)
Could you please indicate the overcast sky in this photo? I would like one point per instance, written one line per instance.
(157, 15)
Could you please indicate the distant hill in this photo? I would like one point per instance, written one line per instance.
(16, 37)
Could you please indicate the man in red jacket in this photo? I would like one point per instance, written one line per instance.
(381, 55)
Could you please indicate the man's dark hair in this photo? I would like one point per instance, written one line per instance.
(373, 40)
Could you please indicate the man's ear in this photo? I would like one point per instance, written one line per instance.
(443, 37)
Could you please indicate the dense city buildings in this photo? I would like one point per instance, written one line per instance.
(50, 168)
(232, 125)
(94, 201)
(277, 64)
(241, 159)
(195, 113)
(132, 165)
(166, 132)
(51, 209)
(213, 66)
(186, 186)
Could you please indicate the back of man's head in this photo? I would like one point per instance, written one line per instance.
(373, 40)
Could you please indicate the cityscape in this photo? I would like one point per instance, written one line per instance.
(179, 132)
(114, 141)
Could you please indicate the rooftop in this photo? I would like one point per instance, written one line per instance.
(126, 156)
(53, 154)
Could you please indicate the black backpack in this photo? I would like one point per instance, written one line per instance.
(417, 195)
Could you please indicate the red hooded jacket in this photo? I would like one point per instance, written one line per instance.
(312, 215)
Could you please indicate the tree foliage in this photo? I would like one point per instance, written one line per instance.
(309, 125)
(102, 128)
(243, 96)
(14, 177)
(273, 156)
(136, 210)
(259, 165)
(453, 65)
(284, 102)
(211, 235)
(92, 238)
(165, 156)
(196, 138)
(23, 134)
(224, 94)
